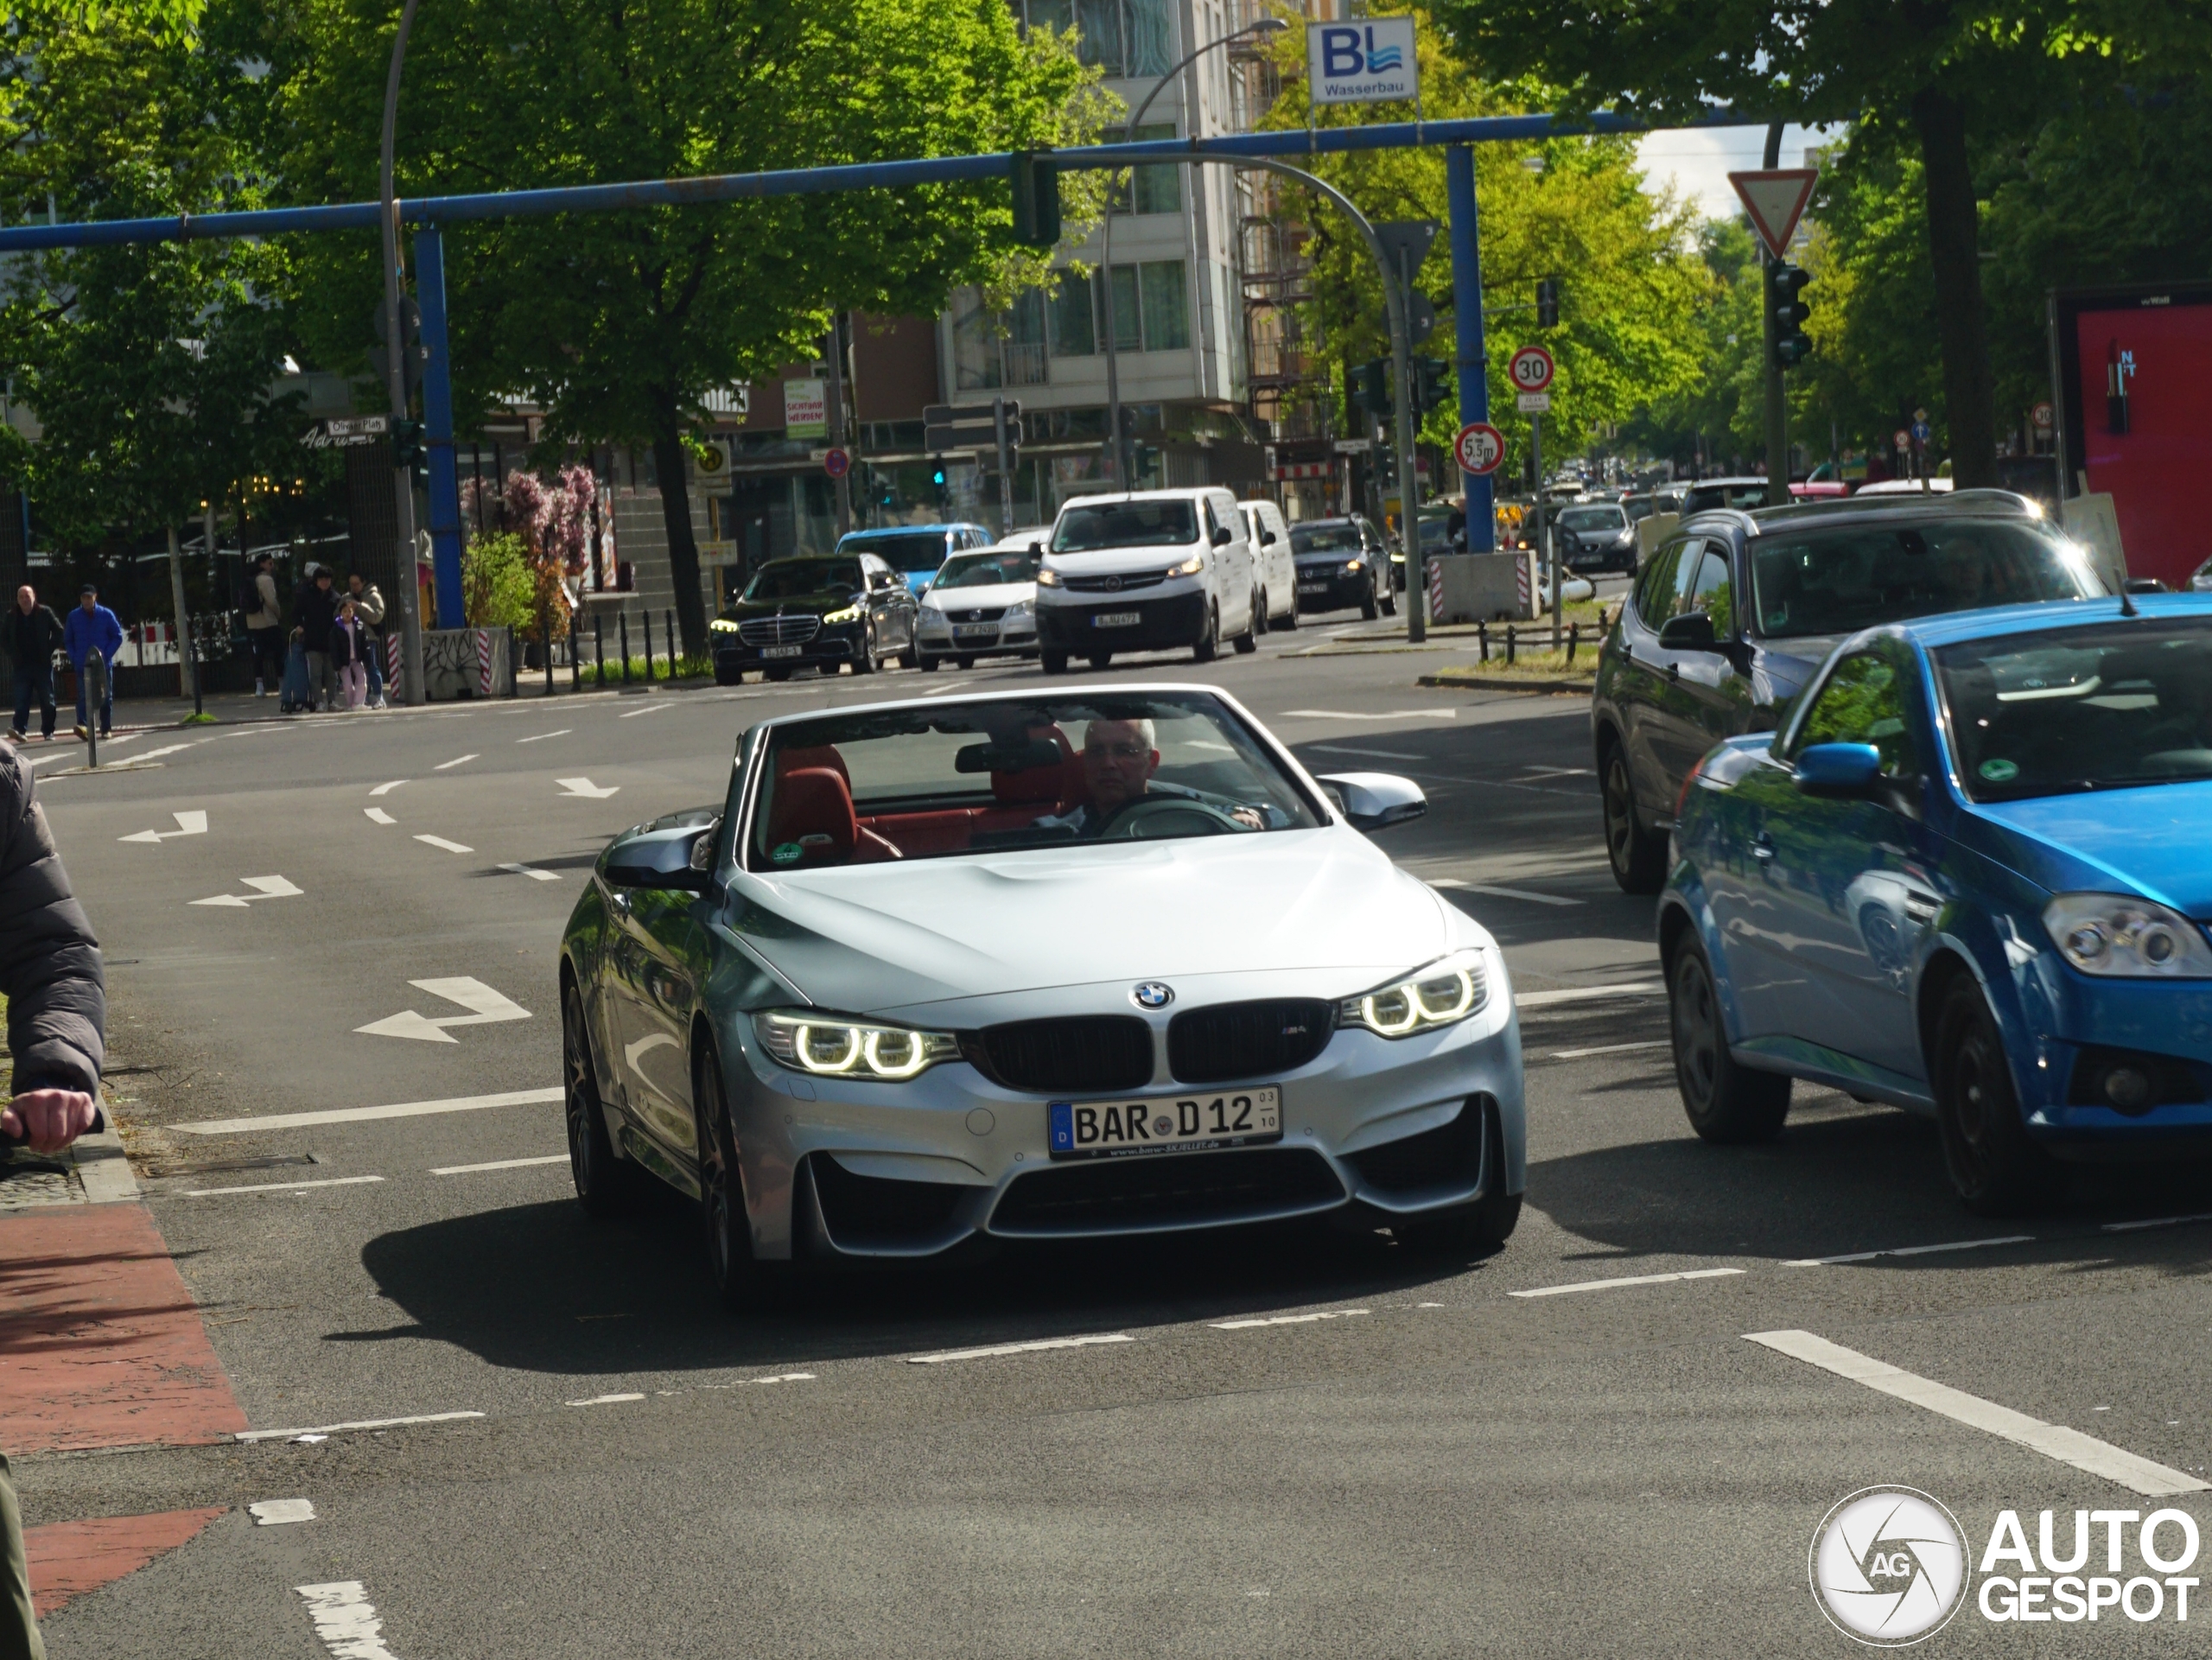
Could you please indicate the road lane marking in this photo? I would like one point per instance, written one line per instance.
(1017, 1348)
(1347, 750)
(1911, 1250)
(370, 1115)
(1633, 1278)
(631, 714)
(1608, 1049)
(1515, 893)
(533, 873)
(378, 816)
(541, 736)
(497, 1164)
(1380, 715)
(2156, 1222)
(358, 1423)
(606, 1400)
(441, 842)
(345, 1620)
(1579, 994)
(277, 1186)
(2052, 1441)
(266, 887)
(386, 789)
(455, 761)
(586, 789)
(277, 1512)
(1283, 1319)
(485, 1007)
(187, 823)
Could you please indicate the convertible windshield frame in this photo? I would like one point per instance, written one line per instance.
(1921, 556)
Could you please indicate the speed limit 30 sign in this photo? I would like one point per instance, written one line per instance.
(1531, 369)
(1479, 449)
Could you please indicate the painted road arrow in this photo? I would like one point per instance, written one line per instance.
(187, 823)
(265, 888)
(485, 1007)
(586, 789)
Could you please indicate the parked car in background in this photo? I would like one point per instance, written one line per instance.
(1906, 487)
(1744, 492)
(1595, 536)
(1341, 562)
(1152, 570)
(915, 552)
(1268, 533)
(823, 611)
(1970, 878)
(1735, 612)
(1641, 504)
(982, 605)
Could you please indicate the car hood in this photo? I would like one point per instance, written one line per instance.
(878, 937)
(1324, 560)
(964, 598)
(1119, 562)
(816, 605)
(2148, 841)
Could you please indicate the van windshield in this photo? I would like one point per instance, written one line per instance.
(1087, 527)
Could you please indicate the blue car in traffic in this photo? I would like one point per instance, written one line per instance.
(1970, 876)
(915, 552)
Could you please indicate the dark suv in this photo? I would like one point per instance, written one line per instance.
(1732, 614)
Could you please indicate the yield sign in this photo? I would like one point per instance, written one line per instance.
(485, 1007)
(1776, 199)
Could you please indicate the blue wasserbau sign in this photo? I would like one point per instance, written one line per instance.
(1364, 62)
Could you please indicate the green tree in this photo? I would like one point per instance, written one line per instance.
(1716, 411)
(1942, 69)
(620, 324)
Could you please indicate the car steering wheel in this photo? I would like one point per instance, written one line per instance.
(1149, 817)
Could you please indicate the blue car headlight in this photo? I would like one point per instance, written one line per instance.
(2117, 934)
(836, 1046)
(1443, 993)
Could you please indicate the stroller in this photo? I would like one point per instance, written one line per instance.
(297, 693)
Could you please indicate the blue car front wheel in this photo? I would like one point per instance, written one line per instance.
(1994, 1165)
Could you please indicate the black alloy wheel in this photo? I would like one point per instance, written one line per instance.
(1639, 856)
(1209, 642)
(1099, 661)
(741, 1284)
(1995, 1166)
(1724, 1101)
(1248, 641)
(1368, 605)
(911, 657)
(605, 1185)
(927, 662)
(866, 659)
(965, 661)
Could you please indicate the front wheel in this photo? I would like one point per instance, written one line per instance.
(1052, 662)
(605, 1185)
(1369, 607)
(1260, 620)
(1995, 1166)
(1390, 603)
(1099, 661)
(927, 662)
(866, 660)
(911, 657)
(1639, 856)
(1209, 642)
(1724, 1101)
(729, 676)
(1248, 641)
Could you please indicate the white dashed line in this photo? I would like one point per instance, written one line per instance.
(1515, 893)
(1347, 749)
(1911, 1250)
(2052, 1441)
(358, 1423)
(441, 842)
(345, 1620)
(1377, 715)
(1634, 1279)
(455, 761)
(533, 873)
(996, 1348)
(367, 1114)
(277, 1512)
(497, 1164)
(541, 736)
(386, 789)
(277, 1186)
(2157, 1222)
(1283, 1319)
(1608, 1049)
(631, 714)
(1579, 994)
(378, 816)
(607, 1400)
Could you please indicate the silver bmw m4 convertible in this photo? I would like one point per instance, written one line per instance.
(1094, 963)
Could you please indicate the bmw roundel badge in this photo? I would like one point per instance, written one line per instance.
(1150, 993)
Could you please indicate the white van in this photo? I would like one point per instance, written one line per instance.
(1153, 570)
(1269, 534)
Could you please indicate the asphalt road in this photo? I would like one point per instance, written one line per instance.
(1295, 1443)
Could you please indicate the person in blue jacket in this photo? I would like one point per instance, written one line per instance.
(92, 628)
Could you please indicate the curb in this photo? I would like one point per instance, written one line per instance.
(1452, 677)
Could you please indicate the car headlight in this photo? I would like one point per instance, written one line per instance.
(1048, 577)
(850, 614)
(1443, 993)
(1352, 567)
(1189, 567)
(723, 625)
(1019, 610)
(832, 1046)
(2116, 934)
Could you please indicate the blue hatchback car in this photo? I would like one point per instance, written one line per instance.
(1971, 876)
(915, 552)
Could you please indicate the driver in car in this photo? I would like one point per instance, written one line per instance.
(1119, 758)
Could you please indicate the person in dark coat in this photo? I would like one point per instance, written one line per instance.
(33, 636)
(314, 609)
(57, 1011)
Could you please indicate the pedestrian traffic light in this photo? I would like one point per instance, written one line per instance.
(1370, 386)
(1036, 199)
(1548, 304)
(410, 446)
(1784, 283)
(1429, 378)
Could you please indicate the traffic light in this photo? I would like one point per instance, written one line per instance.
(1036, 199)
(1784, 283)
(410, 447)
(1433, 391)
(1548, 304)
(1370, 386)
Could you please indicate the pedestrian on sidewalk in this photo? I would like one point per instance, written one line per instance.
(264, 626)
(368, 606)
(57, 1009)
(347, 649)
(92, 628)
(312, 607)
(34, 635)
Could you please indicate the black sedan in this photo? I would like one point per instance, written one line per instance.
(1342, 563)
(822, 610)
(1597, 536)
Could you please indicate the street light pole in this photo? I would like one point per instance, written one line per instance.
(411, 610)
(1116, 446)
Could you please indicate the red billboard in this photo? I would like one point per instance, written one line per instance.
(2134, 370)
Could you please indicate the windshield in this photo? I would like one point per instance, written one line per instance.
(796, 579)
(1325, 538)
(1638, 507)
(1750, 493)
(1592, 518)
(921, 550)
(2101, 708)
(938, 782)
(1435, 533)
(988, 569)
(1836, 581)
(1086, 528)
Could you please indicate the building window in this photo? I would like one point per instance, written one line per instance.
(1123, 38)
(1074, 307)
(1166, 305)
(1157, 188)
(1151, 313)
(997, 348)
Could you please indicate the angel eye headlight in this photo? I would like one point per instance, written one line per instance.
(2116, 934)
(849, 613)
(1442, 994)
(832, 1044)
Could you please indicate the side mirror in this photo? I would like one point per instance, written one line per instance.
(1221, 537)
(1374, 801)
(1690, 632)
(1267, 538)
(1837, 768)
(675, 862)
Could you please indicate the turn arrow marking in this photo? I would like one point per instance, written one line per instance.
(187, 823)
(585, 788)
(485, 1007)
(266, 887)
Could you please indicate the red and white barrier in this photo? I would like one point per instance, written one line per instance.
(483, 660)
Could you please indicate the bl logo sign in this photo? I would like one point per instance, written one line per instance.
(1368, 62)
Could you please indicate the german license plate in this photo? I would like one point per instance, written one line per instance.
(782, 651)
(1312, 588)
(976, 631)
(1117, 619)
(1199, 1121)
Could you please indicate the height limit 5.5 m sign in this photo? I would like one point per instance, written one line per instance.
(1479, 449)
